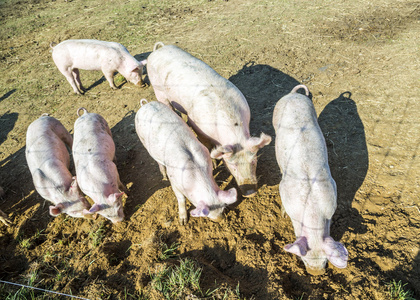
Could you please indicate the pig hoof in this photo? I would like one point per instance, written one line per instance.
(183, 221)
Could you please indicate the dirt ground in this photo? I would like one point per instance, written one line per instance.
(359, 59)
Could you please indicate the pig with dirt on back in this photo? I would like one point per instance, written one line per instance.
(307, 190)
(108, 57)
(183, 159)
(48, 161)
(96, 171)
(216, 109)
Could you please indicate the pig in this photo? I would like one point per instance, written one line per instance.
(307, 190)
(217, 111)
(96, 170)
(182, 159)
(108, 57)
(48, 161)
(3, 217)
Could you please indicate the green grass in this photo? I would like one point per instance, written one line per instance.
(168, 251)
(97, 236)
(397, 291)
(176, 282)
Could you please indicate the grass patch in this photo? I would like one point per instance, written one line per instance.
(168, 252)
(177, 282)
(97, 236)
(397, 291)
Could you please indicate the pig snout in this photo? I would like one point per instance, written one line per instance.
(315, 272)
(248, 190)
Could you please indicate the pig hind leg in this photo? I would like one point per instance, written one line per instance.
(68, 73)
(76, 76)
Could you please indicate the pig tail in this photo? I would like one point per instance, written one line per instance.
(84, 111)
(143, 102)
(300, 86)
(155, 47)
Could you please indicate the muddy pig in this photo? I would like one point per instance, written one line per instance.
(96, 171)
(49, 160)
(183, 159)
(216, 109)
(108, 57)
(307, 190)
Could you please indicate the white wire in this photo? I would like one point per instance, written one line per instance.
(31, 287)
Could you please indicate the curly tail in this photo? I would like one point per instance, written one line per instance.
(143, 102)
(300, 86)
(53, 44)
(84, 111)
(155, 47)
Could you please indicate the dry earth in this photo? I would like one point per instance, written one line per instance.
(360, 61)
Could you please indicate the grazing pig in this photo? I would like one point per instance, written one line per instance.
(308, 192)
(96, 171)
(216, 109)
(108, 57)
(49, 160)
(183, 159)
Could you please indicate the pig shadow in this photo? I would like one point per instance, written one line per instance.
(220, 266)
(263, 86)
(7, 121)
(136, 167)
(7, 95)
(348, 159)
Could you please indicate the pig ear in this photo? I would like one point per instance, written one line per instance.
(94, 209)
(114, 198)
(336, 252)
(254, 144)
(56, 210)
(228, 197)
(222, 152)
(202, 210)
(73, 187)
(299, 247)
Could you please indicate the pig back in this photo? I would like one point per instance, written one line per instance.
(89, 54)
(196, 89)
(167, 138)
(92, 137)
(300, 145)
(46, 139)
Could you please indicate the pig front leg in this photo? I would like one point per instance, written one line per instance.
(162, 169)
(183, 217)
(109, 75)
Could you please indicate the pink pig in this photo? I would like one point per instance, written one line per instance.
(49, 160)
(216, 109)
(96, 172)
(183, 159)
(307, 190)
(108, 57)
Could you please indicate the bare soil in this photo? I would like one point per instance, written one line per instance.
(360, 61)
